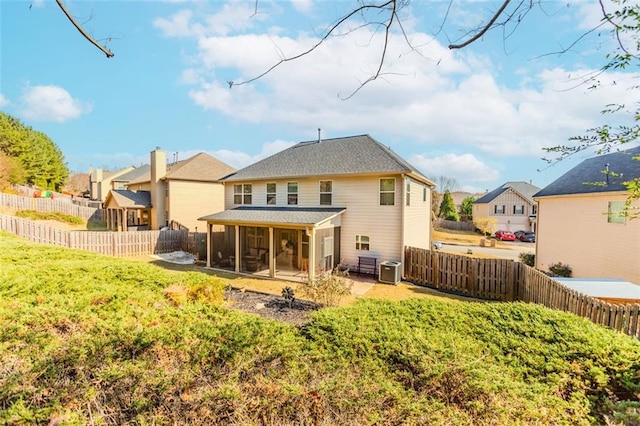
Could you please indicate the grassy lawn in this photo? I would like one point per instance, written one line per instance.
(89, 339)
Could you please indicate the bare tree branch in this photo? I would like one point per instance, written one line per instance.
(83, 32)
(484, 29)
(331, 30)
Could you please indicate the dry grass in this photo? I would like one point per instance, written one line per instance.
(453, 236)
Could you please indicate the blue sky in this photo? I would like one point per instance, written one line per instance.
(480, 115)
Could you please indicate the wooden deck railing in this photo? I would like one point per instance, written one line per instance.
(506, 280)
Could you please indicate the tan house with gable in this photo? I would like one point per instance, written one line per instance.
(319, 204)
(511, 205)
(177, 194)
(579, 220)
(101, 182)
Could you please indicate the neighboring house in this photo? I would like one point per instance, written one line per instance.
(121, 182)
(180, 192)
(100, 182)
(318, 204)
(579, 220)
(512, 205)
(459, 196)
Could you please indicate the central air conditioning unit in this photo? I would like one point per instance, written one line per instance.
(390, 272)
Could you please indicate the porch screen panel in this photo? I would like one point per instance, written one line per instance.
(320, 238)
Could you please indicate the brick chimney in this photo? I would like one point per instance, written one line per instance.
(158, 188)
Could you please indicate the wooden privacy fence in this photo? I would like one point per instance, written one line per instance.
(506, 280)
(494, 279)
(109, 243)
(539, 288)
(17, 202)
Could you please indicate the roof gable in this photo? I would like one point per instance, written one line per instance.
(134, 174)
(201, 167)
(338, 156)
(523, 189)
(588, 177)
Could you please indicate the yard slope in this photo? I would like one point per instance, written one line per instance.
(89, 339)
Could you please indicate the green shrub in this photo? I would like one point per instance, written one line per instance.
(528, 259)
(560, 270)
(327, 288)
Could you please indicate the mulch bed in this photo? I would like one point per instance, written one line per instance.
(271, 306)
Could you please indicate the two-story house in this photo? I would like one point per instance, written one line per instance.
(101, 181)
(318, 204)
(581, 221)
(511, 205)
(164, 192)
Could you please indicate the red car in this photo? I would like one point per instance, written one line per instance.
(505, 235)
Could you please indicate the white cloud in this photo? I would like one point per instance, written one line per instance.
(234, 15)
(239, 159)
(51, 103)
(463, 168)
(3, 101)
(303, 6)
(453, 102)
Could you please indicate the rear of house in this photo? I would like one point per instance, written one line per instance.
(318, 204)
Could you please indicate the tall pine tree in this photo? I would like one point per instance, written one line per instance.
(38, 159)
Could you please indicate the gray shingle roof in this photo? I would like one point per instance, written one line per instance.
(134, 174)
(275, 215)
(523, 188)
(581, 179)
(339, 156)
(131, 199)
(202, 167)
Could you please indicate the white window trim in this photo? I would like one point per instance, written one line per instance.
(242, 193)
(275, 193)
(297, 193)
(380, 191)
(360, 242)
(325, 193)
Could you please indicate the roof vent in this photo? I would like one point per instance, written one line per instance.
(319, 137)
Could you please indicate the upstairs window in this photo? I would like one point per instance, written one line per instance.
(534, 209)
(408, 193)
(362, 242)
(424, 193)
(498, 209)
(616, 212)
(326, 187)
(271, 193)
(242, 194)
(518, 209)
(387, 191)
(292, 193)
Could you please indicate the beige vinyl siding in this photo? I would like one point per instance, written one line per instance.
(143, 186)
(573, 229)
(364, 215)
(417, 217)
(190, 200)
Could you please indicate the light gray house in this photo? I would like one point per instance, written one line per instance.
(318, 204)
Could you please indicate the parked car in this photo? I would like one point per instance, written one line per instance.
(505, 235)
(528, 237)
(518, 234)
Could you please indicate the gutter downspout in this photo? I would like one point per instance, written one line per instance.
(403, 186)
